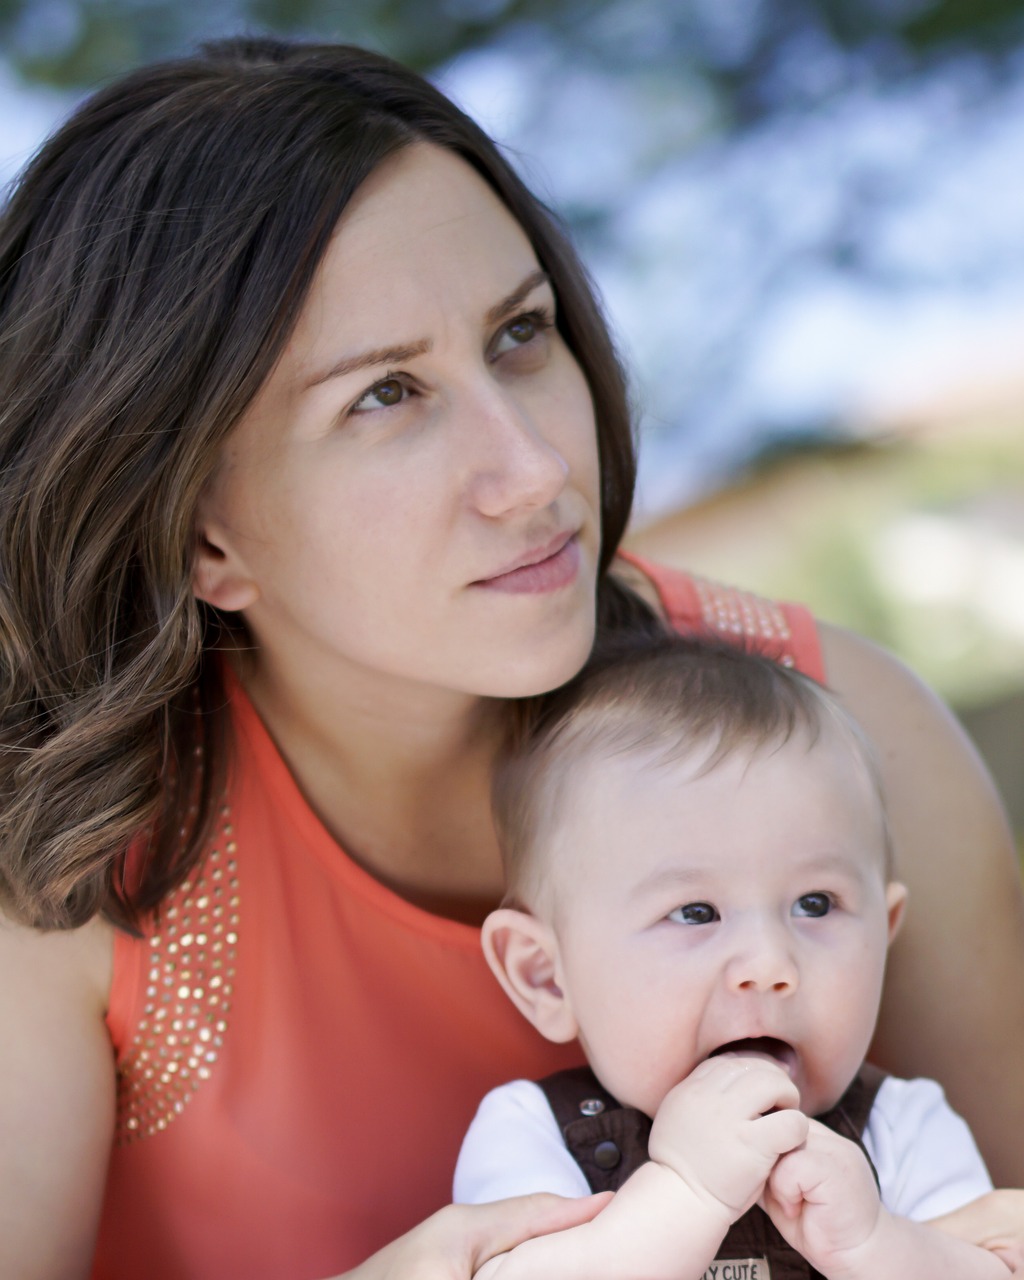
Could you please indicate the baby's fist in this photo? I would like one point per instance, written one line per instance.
(823, 1198)
(723, 1128)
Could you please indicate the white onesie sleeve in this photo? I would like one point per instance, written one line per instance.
(926, 1158)
(514, 1147)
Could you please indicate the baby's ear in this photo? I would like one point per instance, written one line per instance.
(895, 902)
(523, 956)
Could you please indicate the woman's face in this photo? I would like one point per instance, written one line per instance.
(415, 493)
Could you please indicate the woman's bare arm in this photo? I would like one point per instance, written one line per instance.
(954, 999)
(995, 1221)
(458, 1241)
(56, 1098)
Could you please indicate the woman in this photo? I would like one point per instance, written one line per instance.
(315, 455)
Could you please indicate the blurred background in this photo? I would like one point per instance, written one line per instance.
(806, 218)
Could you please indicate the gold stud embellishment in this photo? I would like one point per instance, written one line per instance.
(741, 613)
(188, 992)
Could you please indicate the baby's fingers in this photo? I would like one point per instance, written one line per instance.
(779, 1131)
(764, 1086)
(778, 1205)
(753, 1084)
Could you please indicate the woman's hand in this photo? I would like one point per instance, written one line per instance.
(455, 1242)
(994, 1221)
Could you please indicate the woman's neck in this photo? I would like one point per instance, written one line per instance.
(400, 776)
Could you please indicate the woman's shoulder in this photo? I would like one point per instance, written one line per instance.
(73, 959)
(57, 1095)
(694, 604)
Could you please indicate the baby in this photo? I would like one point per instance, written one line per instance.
(701, 890)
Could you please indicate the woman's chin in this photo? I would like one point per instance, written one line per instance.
(528, 677)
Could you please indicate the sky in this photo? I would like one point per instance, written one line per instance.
(834, 268)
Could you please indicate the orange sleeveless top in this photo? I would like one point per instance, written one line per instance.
(299, 1050)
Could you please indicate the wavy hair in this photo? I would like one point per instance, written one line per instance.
(154, 258)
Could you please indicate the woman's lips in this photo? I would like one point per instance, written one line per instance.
(556, 566)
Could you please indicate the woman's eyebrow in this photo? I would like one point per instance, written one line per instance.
(396, 355)
(380, 355)
(500, 310)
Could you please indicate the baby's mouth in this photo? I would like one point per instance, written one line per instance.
(762, 1047)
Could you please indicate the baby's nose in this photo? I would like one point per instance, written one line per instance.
(764, 964)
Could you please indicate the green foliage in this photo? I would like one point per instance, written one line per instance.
(841, 549)
(81, 42)
(77, 43)
(981, 22)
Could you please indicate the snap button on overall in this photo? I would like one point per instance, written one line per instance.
(607, 1155)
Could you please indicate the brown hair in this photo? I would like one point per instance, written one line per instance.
(660, 696)
(154, 257)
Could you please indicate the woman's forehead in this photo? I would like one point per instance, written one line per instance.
(424, 243)
(421, 260)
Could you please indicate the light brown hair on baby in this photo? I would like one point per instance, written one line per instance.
(664, 696)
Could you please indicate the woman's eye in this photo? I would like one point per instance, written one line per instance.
(813, 904)
(382, 395)
(521, 331)
(694, 913)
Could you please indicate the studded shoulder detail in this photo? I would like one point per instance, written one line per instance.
(731, 612)
(187, 1005)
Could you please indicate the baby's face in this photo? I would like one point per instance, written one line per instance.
(743, 910)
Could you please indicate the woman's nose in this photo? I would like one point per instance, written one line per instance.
(513, 463)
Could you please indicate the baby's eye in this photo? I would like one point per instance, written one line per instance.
(382, 395)
(694, 913)
(813, 904)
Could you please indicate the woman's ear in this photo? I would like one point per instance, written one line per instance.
(895, 902)
(218, 575)
(523, 956)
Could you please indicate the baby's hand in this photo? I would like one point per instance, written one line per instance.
(824, 1201)
(723, 1128)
